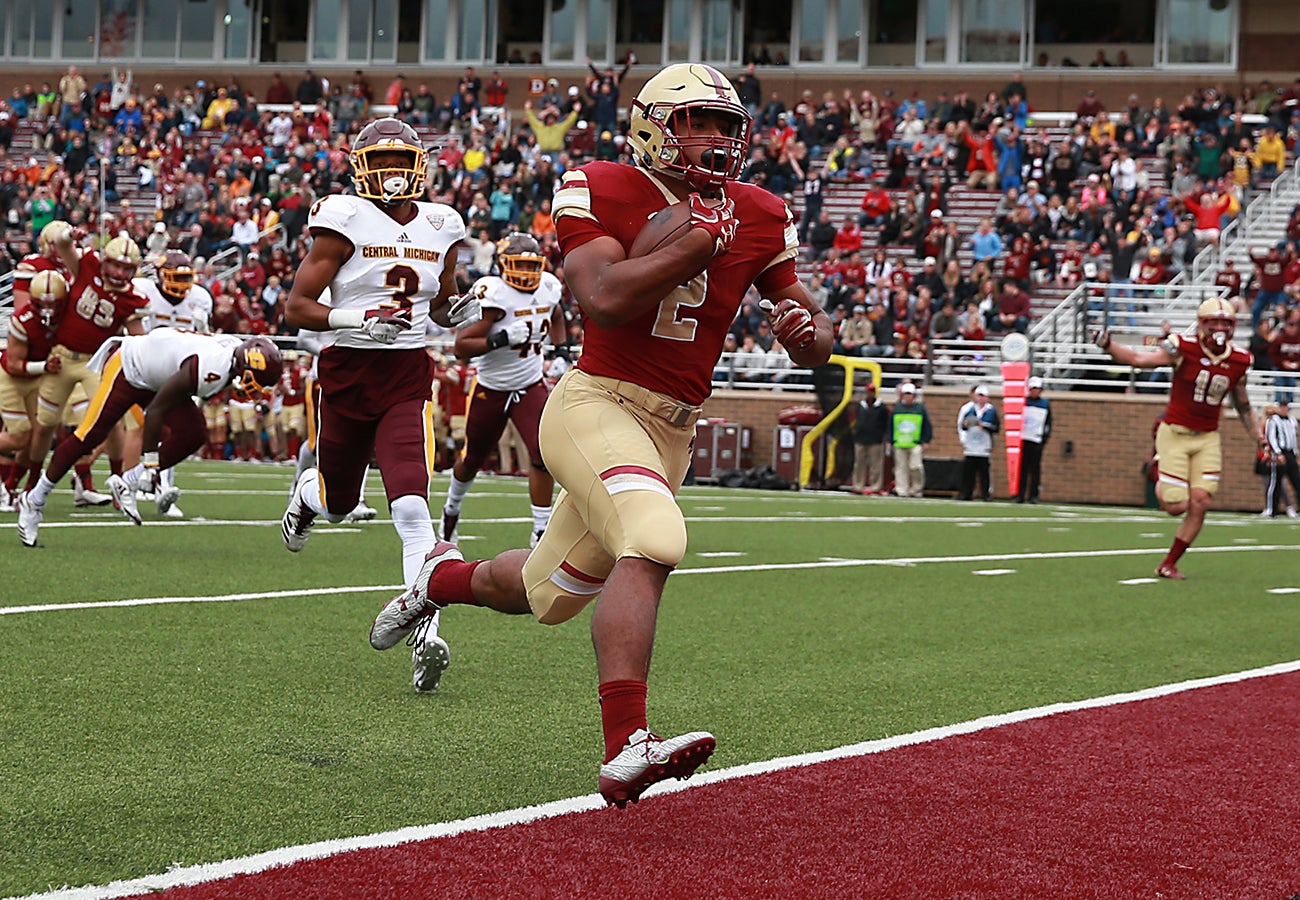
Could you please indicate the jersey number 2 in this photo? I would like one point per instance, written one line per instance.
(670, 324)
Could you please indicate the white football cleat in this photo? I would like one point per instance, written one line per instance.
(174, 512)
(84, 497)
(29, 519)
(430, 657)
(124, 498)
(403, 613)
(362, 512)
(165, 499)
(7, 499)
(647, 759)
(298, 518)
(450, 526)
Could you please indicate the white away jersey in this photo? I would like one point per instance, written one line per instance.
(194, 313)
(515, 368)
(148, 360)
(391, 264)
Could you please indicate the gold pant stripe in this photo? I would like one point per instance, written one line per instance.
(107, 378)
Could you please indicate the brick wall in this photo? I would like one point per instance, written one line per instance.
(1110, 433)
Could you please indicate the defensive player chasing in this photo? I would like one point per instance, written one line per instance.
(175, 301)
(1207, 368)
(161, 371)
(617, 430)
(384, 257)
(521, 306)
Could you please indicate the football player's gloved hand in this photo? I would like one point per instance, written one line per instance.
(719, 221)
(1103, 339)
(516, 335)
(385, 323)
(148, 480)
(791, 323)
(464, 309)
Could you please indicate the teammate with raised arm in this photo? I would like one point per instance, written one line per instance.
(521, 307)
(617, 429)
(1207, 369)
(388, 260)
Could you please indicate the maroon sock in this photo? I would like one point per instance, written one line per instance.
(115, 466)
(622, 711)
(83, 474)
(33, 474)
(453, 582)
(1176, 552)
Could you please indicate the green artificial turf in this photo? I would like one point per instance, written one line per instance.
(140, 737)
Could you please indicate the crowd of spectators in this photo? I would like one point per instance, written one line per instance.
(235, 177)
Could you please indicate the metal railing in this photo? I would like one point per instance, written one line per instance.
(222, 264)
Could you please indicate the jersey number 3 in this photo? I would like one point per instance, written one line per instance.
(405, 282)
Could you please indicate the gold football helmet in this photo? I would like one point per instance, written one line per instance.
(49, 237)
(389, 183)
(1216, 319)
(121, 259)
(176, 275)
(521, 262)
(665, 123)
(48, 290)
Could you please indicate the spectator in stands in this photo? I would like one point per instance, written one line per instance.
(821, 236)
(750, 361)
(945, 324)
(986, 244)
(856, 333)
(1284, 355)
(310, 90)
(550, 129)
(848, 237)
(1270, 150)
(749, 89)
(1012, 312)
(1270, 277)
(982, 165)
(876, 206)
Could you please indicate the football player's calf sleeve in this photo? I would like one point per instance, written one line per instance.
(188, 434)
(415, 527)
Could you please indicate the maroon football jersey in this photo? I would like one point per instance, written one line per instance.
(672, 348)
(1199, 385)
(95, 313)
(27, 268)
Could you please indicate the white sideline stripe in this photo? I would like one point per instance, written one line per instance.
(693, 570)
(963, 522)
(284, 856)
(216, 598)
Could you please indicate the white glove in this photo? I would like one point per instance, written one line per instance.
(385, 324)
(464, 309)
(518, 334)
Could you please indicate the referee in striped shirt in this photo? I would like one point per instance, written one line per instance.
(1280, 434)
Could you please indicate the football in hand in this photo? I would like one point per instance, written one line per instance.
(670, 224)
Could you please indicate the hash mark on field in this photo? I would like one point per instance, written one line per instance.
(993, 572)
(1286, 590)
(713, 553)
(1139, 580)
(284, 856)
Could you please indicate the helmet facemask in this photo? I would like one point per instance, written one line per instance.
(520, 261)
(721, 155)
(175, 277)
(48, 291)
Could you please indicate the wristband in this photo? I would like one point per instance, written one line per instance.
(497, 339)
(346, 318)
(34, 368)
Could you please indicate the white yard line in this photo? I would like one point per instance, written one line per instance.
(835, 563)
(284, 856)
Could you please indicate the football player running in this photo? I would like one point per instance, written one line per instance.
(388, 259)
(617, 430)
(1207, 368)
(175, 301)
(521, 307)
(161, 372)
